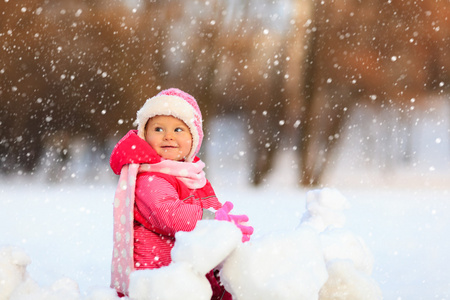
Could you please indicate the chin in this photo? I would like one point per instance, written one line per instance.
(172, 157)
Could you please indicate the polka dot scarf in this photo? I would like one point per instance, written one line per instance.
(122, 260)
(191, 174)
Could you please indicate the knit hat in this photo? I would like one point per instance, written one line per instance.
(179, 104)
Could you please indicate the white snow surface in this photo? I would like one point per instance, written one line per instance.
(393, 241)
(370, 232)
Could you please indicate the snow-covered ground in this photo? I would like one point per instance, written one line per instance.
(399, 211)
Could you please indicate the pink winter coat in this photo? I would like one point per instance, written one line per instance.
(163, 204)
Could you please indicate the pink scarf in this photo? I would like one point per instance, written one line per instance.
(191, 174)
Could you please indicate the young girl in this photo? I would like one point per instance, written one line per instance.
(162, 188)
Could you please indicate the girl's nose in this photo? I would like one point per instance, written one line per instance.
(168, 136)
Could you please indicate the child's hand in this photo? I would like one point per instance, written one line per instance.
(223, 215)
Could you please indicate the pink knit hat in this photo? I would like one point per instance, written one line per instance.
(179, 104)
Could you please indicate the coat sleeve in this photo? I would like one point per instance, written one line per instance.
(159, 203)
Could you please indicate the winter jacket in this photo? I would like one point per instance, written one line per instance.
(163, 204)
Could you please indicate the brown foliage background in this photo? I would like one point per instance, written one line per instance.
(292, 71)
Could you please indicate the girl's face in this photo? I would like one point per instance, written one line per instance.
(169, 137)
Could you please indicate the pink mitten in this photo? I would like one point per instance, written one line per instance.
(222, 214)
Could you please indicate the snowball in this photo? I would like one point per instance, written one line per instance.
(324, 209)
(178, 281)
(328, 197)
(13, 263)
(347, 283)
(29, 290)
(344, 245)
(207, 245)
(278, 266)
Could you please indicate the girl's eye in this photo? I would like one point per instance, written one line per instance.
(158, 129)
(178, 129)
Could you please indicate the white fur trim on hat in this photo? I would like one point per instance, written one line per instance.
(171, 105)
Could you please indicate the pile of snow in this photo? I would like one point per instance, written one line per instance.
(276, 266)
(16, 283)
(195, 254)
(319, 259)
(13, 263)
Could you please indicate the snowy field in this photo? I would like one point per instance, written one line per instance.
(399, 210)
